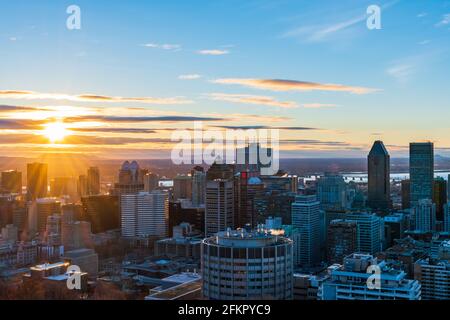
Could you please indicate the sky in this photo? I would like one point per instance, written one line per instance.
(138, 70)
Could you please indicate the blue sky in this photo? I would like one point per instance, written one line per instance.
(197, 53)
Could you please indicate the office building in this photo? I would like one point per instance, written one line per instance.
(151, 182)
(36, 181)
(406, 194)
(64, 186)
(274, 204)
(440, 197)
(237, 265)
(350, 282)
(11, 181)
(379, 185)
(131, 179)
(102, 212)
(434, 274)
(421, 170)
(425, 215)
(342, 240)
(184, 211)
(447, 217)
(246, 188)
(40, 210)
(198, 186)
(145, 214)
(306, 219)
(370, 231)
(282, 183)
(219, 207)
(93, 181)
(331, 192)
(182, 187)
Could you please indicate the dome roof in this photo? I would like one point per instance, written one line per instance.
(254, 180)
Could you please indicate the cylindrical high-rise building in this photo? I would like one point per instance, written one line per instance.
(240, 265)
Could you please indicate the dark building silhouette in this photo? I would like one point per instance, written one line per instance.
(102, 211)
(421, 170)
(11, 181)
(406, 193)
(183, 211)
(246, 189)
(93, 181)
(342, 240)
(440, 197)
(36, 180)
(379, 197)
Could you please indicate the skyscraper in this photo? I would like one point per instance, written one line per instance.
(306, 218)
(102, 211)
(421, 169)
(342, 240)
(406, 194)
(130, 179)
(151, 181)
(219, 207)
(198, 186)
(12, 181)
(331, 192)
(425, 215)
(145, 214)
(93, 181)
(36, 180)
(182, 187)
(370, 231)
(440, 197)
(379, 189)
(246, 188)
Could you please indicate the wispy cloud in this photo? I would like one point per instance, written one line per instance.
(401, 72)
(326, 31)
(165, 46)
(139, 119)
(252, 99)
(318, 33)
(31, 95)
(268, 127)
(189, 76)
(293, 85)
(213, 52)
(444, 21)
(424, 42)
(319, 105)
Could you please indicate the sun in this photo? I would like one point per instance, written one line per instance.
(55, 131)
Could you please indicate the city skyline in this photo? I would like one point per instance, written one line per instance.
(134, 72)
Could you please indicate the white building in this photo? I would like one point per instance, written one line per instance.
(145, 214)
(350, 282)
(434, 274)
